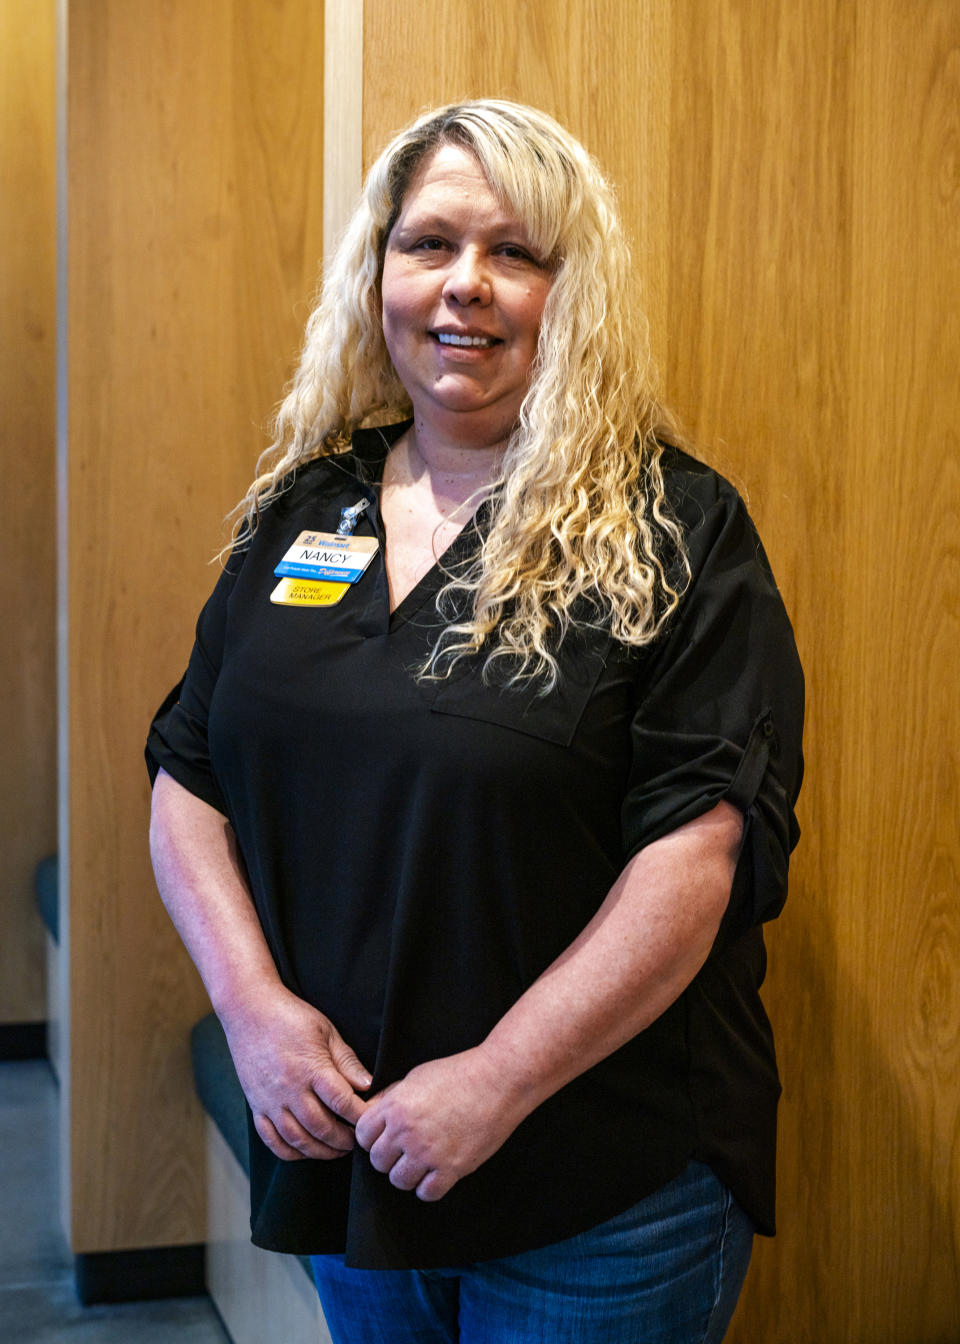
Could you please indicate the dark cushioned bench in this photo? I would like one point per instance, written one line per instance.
(213, 1072)
(45, 881)
(215, 1079)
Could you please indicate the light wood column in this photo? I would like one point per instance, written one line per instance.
(789, 173)
(194, 218)
(27, 539)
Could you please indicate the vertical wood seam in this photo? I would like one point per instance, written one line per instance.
(342, 114)
(63, 648)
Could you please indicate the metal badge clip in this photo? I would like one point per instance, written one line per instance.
(349, 516)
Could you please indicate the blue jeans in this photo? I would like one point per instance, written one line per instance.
(668, 1271)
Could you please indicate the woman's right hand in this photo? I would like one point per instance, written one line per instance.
(299, 1076)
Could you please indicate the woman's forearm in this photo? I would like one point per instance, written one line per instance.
(301, 1079)
(201, 882)
(643, 947)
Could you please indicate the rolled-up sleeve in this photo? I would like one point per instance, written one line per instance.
(720, 706)
(177, 741)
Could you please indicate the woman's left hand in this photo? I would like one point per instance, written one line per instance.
(439, 1123)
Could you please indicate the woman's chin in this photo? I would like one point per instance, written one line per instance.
(456, 397)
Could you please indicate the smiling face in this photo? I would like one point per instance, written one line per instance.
(463, 293)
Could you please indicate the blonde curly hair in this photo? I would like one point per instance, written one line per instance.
(579, 526)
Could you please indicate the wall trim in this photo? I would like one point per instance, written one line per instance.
(143, 1275)
(342, 115)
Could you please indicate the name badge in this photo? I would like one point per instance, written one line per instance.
(325, 556)
(320, 567)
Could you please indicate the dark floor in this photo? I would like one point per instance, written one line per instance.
(38, 1304)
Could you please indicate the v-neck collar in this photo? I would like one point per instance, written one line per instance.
(370, 448)
(461, 550)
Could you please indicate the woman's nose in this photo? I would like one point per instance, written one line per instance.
(467, 279)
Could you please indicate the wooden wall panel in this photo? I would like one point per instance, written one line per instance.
(790, 175)
(27, 545)
(825, 248)
(195, 216)
(601, 69)
(900, 948)
(759, 292)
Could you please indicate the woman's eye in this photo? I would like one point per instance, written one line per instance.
(431, 244)
(516, 252)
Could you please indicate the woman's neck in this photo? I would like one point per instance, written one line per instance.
(453, 470)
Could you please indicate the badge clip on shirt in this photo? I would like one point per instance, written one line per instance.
(320, 566)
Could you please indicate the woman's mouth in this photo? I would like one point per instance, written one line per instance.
(454, 338)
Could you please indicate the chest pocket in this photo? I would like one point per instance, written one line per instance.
(553, 717)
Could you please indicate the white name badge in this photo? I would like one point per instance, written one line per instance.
(325, 556)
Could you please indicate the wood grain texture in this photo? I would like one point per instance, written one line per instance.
(791, 176)
(195, 214)
(27, 545)
(901, 949)
(602, 69)
(821, 245)
(759, 285)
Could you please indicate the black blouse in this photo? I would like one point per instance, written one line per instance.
(420, 851)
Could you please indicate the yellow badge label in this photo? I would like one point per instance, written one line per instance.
(307, 593)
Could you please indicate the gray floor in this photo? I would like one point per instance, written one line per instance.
(38, 1304)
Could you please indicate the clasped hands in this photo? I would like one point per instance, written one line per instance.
(439, 1123)
(303, 1084)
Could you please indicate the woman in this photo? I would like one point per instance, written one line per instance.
(480, 783)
